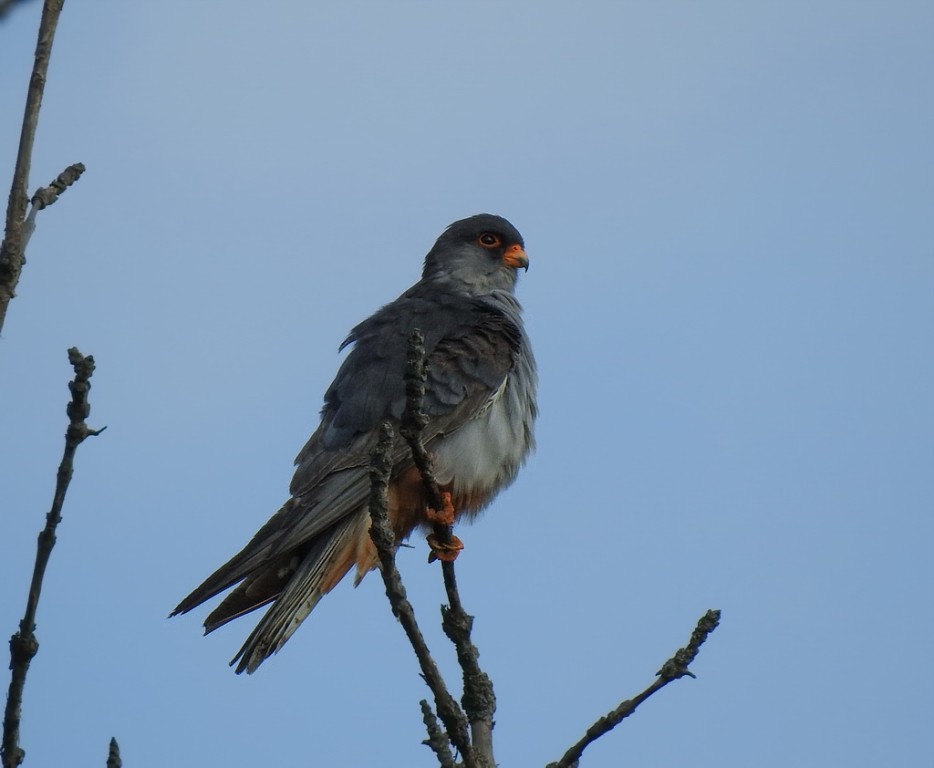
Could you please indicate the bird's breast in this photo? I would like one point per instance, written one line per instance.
(483, 455)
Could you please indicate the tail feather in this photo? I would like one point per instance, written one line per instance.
(256, 557)
(324, 564)
(255, 591)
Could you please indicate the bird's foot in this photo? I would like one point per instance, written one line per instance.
(445, 551)
(445, 546)
(446, 515)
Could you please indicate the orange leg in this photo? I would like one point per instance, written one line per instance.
(447, 549)
(446, 515)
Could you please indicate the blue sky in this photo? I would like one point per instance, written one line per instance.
(729, 209)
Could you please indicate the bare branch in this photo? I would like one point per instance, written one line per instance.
(23, 644)
(673, 669)
(46, 196)
(382, 535)
(437, 739)
(479, 700)
(12, 249)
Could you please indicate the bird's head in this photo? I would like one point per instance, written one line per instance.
(478, 255)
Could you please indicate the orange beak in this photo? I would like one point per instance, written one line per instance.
(515, 257)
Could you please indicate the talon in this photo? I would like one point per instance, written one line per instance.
(445, 546)
(446, 515)
(445, 551)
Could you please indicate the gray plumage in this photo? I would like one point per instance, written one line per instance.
(480, 400)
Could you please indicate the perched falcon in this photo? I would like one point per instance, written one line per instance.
(480, 400)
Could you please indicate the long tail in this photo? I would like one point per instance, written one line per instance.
(324, 564)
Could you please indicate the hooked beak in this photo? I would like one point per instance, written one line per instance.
(516, 258)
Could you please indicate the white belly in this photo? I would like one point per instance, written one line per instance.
(484, 454)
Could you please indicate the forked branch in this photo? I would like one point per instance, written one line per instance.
(479, 703)
(13, 247)
(479, 700)
(381, 532)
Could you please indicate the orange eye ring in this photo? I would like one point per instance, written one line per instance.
(489, 240)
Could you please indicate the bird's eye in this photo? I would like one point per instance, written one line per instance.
(489, 240)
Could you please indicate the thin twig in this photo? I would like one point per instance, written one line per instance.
(479, 700)
(381, 532)
(113, 755)
(23, 644)
(673, 669)
(46, 196)
(12, 249)
(437, 739)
